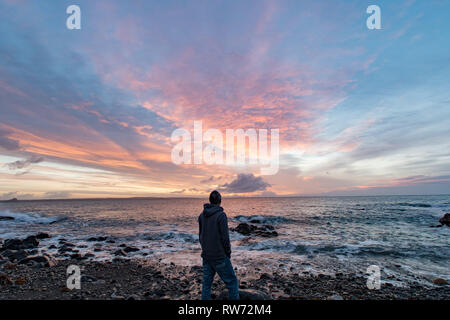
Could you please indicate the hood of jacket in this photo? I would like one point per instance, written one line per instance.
(211, 209)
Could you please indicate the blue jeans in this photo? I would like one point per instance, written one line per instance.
(225, 271)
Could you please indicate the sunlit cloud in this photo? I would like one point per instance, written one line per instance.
(90, 113)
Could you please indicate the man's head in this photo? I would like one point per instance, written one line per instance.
(215, 197)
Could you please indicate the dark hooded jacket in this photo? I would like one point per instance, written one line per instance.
(213, 233)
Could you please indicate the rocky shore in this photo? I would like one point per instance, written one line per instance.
(142, 280)
(27, 273)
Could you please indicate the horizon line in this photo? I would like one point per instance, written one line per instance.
(13, 200)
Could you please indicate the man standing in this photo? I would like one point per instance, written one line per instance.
(216, 248)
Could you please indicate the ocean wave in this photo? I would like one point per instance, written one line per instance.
(170, 235)
(415, 205)
(262, 219)
(272, 245)
(365, 248)
(31, 218)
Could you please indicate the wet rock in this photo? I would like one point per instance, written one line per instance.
(9, 266)
(266, 234)
(249, 229)
(5, 280)
(445, 220)
(20, 281)
(30, 242)
(65, 249)
(130, 249)
(6, 218)
(14, 255)
(97, 238)
(65, 244)
(196, 270)
(43, 261)
(120, 252)
(43, 235)
(244, 228)
(440, 281)
(265, 276)
(77, 256)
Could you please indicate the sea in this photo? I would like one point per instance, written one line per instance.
(327, 235)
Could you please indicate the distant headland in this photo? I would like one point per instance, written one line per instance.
(10, 200)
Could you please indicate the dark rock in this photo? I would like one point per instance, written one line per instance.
(44, 261)
(6, 218)
(120, 252)
(97, 239)
(440, 281)
(266, 234)
(43, 235)
(67, 244)
(196, 269)
(265, 276)
(31, 242)
(17, 244)
(246, 229)
(5, 280)
(15, 255)
(65, 249)
(77, 256)
(445, 220)
(130, 249)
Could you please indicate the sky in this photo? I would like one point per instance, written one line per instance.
(90, 112)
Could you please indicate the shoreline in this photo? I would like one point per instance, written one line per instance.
(142, 279)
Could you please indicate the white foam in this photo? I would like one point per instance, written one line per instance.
(32, 218)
